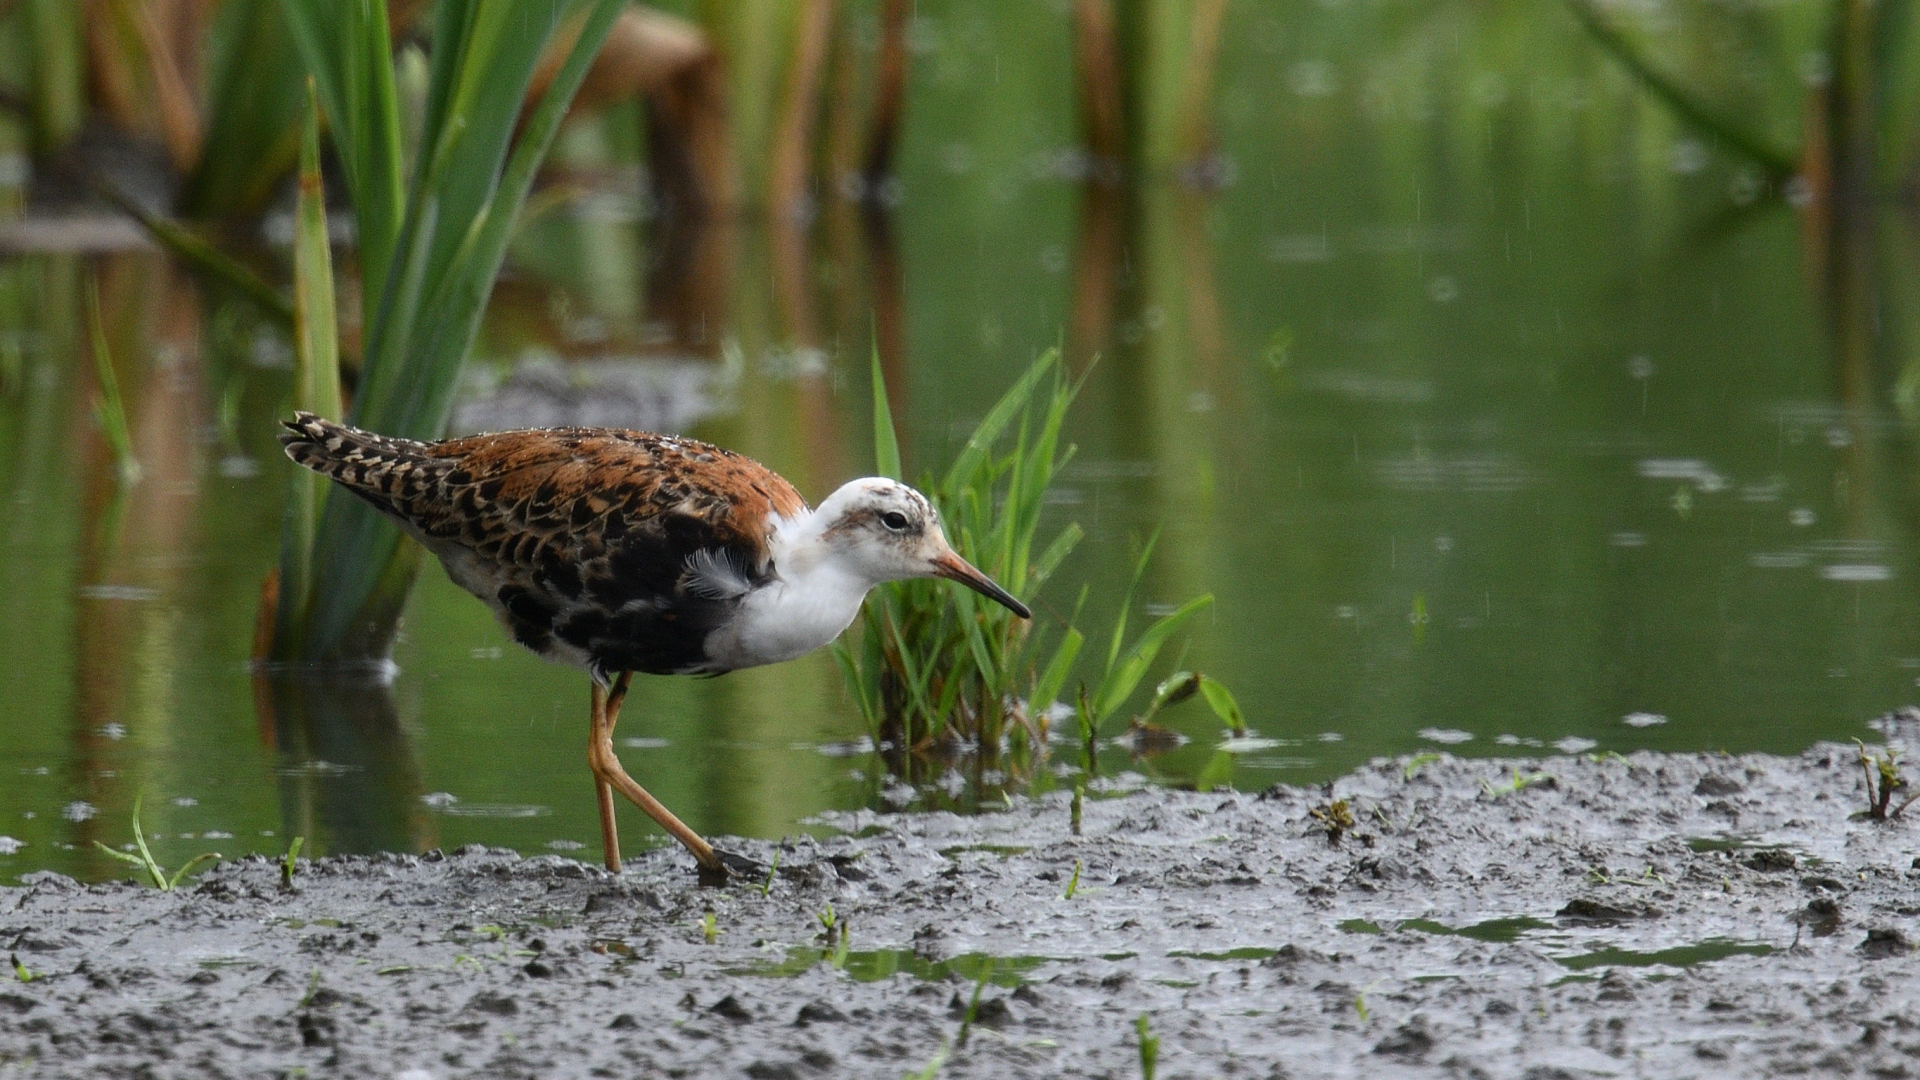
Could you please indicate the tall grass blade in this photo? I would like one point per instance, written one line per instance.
(253, 111)
(1003, 412)
(56, 31)
(1779, 165)
(316, 372)
(199, 255)
(1126, 604)
(1125, 677)
(345, 47)
(1046, 690)
(886, 444)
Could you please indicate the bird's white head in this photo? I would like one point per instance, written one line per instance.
(883, 530)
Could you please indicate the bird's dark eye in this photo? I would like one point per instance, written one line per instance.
(895, 520)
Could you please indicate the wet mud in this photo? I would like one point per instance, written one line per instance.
(1656, 915)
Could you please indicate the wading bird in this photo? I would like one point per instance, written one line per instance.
(620, 551)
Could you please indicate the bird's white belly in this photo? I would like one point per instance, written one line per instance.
(781, 622)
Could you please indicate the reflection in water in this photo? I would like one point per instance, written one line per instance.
(127, 630)
(348, 778)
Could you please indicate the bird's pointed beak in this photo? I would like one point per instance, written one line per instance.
(949, 565)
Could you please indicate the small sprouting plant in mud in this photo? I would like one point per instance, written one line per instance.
(1600, 875)
(1079, 797)
(932, 1070)
(287, 862)
(973, 1003)
(1360, 1000)
(144, 860)
(1418, 762)
(1518, 782)
(766, 887)
(1883, 779)
(1073, 883)
(710, 927)
(1334, 818)
(832, 926)
(20, 970)
(1149, 1047)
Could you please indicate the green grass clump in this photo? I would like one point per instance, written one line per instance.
(932, 667)
(932, 664)
(432, 234)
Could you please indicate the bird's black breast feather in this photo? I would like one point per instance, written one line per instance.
(637, 612)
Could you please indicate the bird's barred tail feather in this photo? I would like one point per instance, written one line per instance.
(385, 471)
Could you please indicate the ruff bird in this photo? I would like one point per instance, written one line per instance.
(622, 551)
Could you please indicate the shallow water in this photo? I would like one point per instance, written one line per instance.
(1480, 438)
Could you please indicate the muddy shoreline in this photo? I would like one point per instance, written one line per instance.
(1655, 915)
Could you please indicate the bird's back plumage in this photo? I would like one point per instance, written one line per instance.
(617, 550)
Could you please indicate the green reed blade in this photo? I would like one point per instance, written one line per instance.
(56, 36)
(345, 46)
(1003, 413)
(316, 373)
(1779, 165)
(1126, 604)
(200, 256)
(886, 444)
(1046, 690)
(1125, 676)
(252, 113)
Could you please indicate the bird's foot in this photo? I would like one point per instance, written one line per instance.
(727, 865)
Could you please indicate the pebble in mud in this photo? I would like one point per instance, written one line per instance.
(1647, 916)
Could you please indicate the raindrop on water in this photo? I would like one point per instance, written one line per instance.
(1313, 78)
(1688, 156)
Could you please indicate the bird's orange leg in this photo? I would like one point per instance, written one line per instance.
(609, 826)
(608, 771)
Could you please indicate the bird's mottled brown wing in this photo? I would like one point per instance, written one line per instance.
(591, 542)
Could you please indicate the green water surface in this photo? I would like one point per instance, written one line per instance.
(1498, 410)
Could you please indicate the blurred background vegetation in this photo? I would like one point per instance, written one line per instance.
(1513, 375)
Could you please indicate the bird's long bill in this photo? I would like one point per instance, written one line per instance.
(949, 565)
